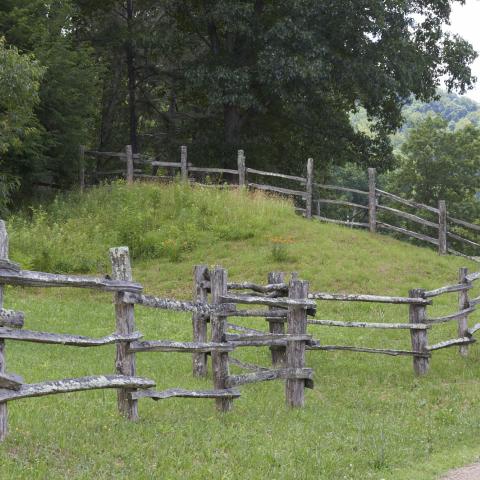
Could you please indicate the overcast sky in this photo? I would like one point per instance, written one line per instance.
(465, 20)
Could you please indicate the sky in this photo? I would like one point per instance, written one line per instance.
(465, 20)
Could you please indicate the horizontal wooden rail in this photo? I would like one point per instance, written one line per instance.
(75, 385)
(240, 328)
(284, 191)
(349, 297)
(453, 316)
(471, 277)
(271, 302)
(341, 202)
(179, 392)
(213, 170)
(474, 301)
(340, 189)
(462, 239)
(156, 163)
(382, 351)
(463, 223)
(386, 326)
(174, 346)
(11, 318)
(409, 203)
(267, 375)
(258, 313)
(340, 222)
(10, 381)
(65, 339)
(459, 287)
(274, 287)
(266, 337)
(277, 175)
(40, 279)
(408, 216)
(245, 365)
(451, 343)
(474, 329)
(172, 304)
(408, 233)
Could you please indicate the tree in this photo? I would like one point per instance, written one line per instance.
(20, 77)
(439, 164)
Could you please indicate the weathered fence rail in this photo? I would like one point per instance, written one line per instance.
(310, 198)
(288, 307)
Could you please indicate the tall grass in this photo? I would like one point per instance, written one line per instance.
(74, 232)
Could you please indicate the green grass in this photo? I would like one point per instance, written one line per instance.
(368, 417)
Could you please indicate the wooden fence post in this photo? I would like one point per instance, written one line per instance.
(218, 285)
(242, 173)
(463, 303)
(372, 200)
(199, 320)
(297, 325)
(184, 164)
(419, 337)
(309, 189)
(442, 227)
(277, 325)
(125, 322)
(129, 155)
(3, 406)
(81, 169)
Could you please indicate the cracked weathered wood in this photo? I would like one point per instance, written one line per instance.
(278, 175)
(65, 339)
(41, 279)
(295, 357)
(408, 233)
(419, 337)
(474, 301)
(348, 297)
(240, 328)
(301, 374)
(271, 287)
(384, 351)
(458, 287)
(10, 381)
(442, 227)
(284, 191)
(6, 264)
(267, 337)
(463, 223)
(174, 346)
(199, 320)
(409, 203)
(372, 200)
(242, 171)
(473, 329)
(213, 170)
(340, 189)
(393, 326)
(279, 315)
(471, 277)
(171, 304)
(245, 365)
(448, 318)
(463, 304)
(218, 322)
(273, 302)
(75, 385)
(3, 366)
(11, 318)
(451, 343)
(309, 189)
(408, 216)
(179, 392)
(125, 325)
(278, 353)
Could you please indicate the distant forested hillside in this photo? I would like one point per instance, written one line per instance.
(459, 111)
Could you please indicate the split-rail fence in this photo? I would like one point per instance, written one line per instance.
(374, 209)
(289, 308)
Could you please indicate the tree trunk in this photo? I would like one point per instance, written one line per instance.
(130, 53)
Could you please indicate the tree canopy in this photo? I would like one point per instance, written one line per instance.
(278, 78)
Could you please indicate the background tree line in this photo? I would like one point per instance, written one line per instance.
(278, 78)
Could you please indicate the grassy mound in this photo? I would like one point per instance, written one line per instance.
(368, 417)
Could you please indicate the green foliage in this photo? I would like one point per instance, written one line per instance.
(74, 232)
(439, 164)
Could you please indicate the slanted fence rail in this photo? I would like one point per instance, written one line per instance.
(290, 309)
(373, 209)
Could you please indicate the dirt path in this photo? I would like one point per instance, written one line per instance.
(472, 472)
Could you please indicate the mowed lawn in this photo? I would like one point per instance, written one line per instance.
(368, 416)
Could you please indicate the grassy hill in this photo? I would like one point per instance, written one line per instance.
(368, 417)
